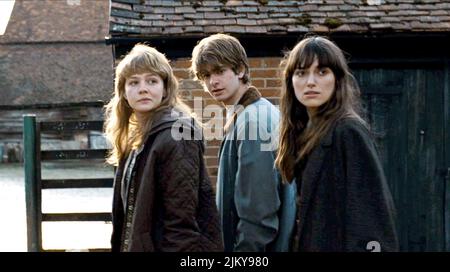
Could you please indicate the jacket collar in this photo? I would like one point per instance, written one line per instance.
(249, 97)
(163, 119)
(166, 118)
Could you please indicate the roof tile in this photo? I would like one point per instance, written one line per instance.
(256, 29)
(194, 16)
(429, 19)
(257, 16)
(124, 13)
(276, 28)
(173, 30)
(234, 29)
(121, 6)
(215, 15)
(297, 28)
(163, 3)
(275, 17)
(309, 8)
(183, 23)
(207, 9)
(358, 28)
(438, 12)
(172, 17)
(380, 26)
(213, 29)
(286, 3)
(225, 22)
(194, 29)
(212, 3)
(128, 1)
(401, 26)
(153, 17)
(327, 8)
(343, 28)
(163, 10)
(142, 8)
(184, 10)
(320, 28)
(246, 9)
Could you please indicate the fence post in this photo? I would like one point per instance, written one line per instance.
(32, 183)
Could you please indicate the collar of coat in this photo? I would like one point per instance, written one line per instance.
(166, 118)
(250, 96)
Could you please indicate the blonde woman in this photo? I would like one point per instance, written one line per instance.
(344, 202)
(163, 199)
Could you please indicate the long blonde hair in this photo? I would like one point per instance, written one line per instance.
(297, 138)
(121, 127)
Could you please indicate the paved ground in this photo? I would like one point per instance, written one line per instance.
(56, 235)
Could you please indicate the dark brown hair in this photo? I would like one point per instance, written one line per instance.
(296, 138)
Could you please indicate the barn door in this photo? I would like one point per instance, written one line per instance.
(406, 113)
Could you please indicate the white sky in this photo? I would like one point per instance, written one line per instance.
(6, 7)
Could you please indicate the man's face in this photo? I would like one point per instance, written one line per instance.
(223, 84)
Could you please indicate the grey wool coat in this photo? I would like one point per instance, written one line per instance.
(174, 208)
(344, 200)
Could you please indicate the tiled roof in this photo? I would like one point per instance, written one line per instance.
(57, 21)
(192, 18)
(47, 53)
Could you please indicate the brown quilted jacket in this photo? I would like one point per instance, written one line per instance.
(174, 204)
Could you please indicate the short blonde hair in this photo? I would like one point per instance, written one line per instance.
(218, 51)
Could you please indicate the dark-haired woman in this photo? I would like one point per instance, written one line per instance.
(344, 202)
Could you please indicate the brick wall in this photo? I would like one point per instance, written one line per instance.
(264, 74)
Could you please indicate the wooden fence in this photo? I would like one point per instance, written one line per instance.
(34, 184)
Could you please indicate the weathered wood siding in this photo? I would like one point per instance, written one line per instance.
(406, 107)
(11, 122)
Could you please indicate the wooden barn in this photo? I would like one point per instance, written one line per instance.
(398, 50)
(53, 63)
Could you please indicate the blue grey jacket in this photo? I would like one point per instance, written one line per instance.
(257, 211)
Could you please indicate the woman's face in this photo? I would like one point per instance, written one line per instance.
(144, 92)
(313, 86)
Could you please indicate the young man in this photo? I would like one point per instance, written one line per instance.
(257, 212)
